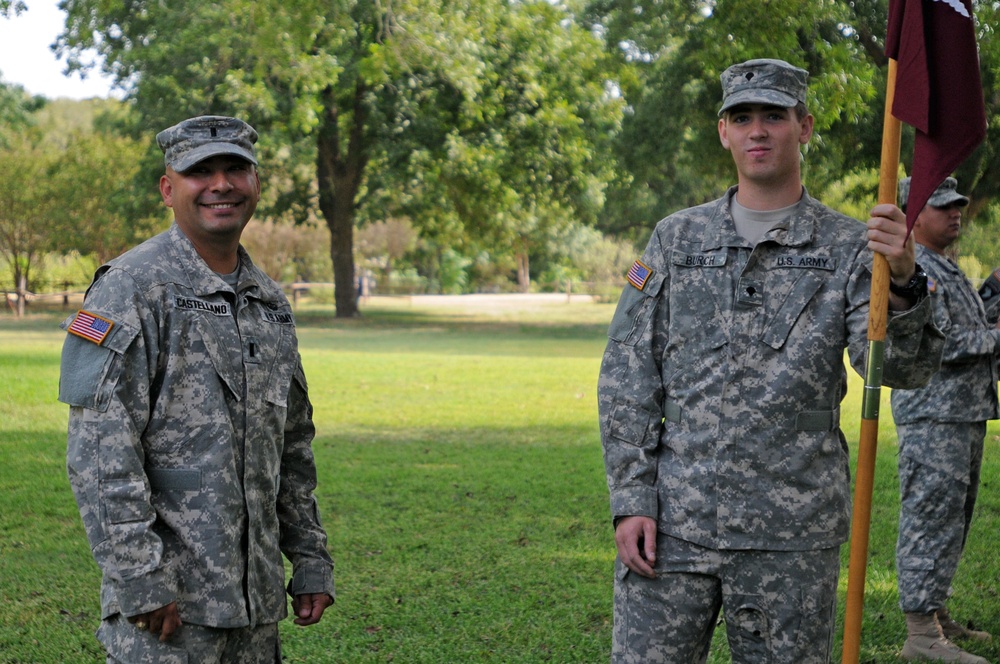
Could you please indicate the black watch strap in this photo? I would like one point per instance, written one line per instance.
(913, 289)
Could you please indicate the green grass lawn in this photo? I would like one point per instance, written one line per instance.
(461, 482)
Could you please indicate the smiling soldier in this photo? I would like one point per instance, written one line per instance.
(190, 429)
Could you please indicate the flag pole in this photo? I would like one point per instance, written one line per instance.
(868, 444)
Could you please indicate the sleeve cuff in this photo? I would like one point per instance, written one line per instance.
(634, 501)
(146, 593)
(312, 579)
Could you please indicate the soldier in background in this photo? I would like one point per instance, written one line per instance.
(720, 391)
(190, 429)
(941, 430)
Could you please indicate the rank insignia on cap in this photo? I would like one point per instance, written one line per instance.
(638, 274)
(90, 326)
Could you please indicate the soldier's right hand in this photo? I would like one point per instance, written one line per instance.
(635, 537)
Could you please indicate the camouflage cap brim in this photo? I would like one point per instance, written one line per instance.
(188, 159)
(946, 198)
(759, 96)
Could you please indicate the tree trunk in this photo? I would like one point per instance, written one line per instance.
(22, 294)
(339, 178)
(523, 272)
(341, 225)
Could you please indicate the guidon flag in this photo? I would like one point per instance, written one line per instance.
(938, 89)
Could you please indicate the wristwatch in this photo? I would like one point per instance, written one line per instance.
(913, 289)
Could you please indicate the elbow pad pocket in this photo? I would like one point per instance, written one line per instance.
(124, 501)
(629, 423)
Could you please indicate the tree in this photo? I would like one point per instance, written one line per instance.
(537, 159)
(22, 171)
(367, 92)
(25, 203)
(11, 7)
(383, 243)
(16, 107)
(67, 185)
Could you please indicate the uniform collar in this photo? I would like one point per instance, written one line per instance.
(799, 231)
(203, 281)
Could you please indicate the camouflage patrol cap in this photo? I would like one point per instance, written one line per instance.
(197, 139)
(764, 81)
(946, 194)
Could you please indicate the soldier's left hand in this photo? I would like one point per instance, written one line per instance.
(309, 607)
(887, 235)
(163, 621)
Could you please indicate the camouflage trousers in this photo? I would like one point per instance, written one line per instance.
(939, 468)
(779, 606)
(191, 644)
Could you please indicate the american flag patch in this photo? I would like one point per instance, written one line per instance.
(90, 326)
(638, 274)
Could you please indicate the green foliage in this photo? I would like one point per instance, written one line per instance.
(495, 127)
(68, 183)
(382, 244)
(28, 209)
(672, 54)
(16, 107)
(452, 273)
(60, 272)
(854, 194)
(979, 241)
(481, 121)
(587, 255)
(11, 7)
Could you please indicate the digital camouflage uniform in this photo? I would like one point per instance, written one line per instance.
(941, 429)
(720, 390)
(190, 440)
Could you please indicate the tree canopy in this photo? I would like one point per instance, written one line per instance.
(498, 130)
(412, 106)
(672, 52)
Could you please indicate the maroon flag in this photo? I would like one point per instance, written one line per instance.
(938, 89)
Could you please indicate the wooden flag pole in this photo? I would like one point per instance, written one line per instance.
(868, 444)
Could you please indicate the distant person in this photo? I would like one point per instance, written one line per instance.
(941, 430)
(190, 426)
(720, 396)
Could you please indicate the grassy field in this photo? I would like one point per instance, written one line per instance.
(461, 482)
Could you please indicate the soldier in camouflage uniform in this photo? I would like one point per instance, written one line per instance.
(941, 429)
(190, 430)
(720, 389)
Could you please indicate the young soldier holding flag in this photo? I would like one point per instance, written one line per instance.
(720, 389)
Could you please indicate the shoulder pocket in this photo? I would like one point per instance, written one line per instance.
(634, 309)
(89, 371)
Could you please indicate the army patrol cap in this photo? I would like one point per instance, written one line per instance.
(197, 139)
(764, 81)
(946, 194)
